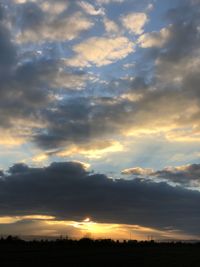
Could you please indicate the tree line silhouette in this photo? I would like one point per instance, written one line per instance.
(87, 252)
(86, 241)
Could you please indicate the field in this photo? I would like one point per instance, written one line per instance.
(90, 253)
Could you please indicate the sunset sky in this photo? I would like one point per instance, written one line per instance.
(100, 118)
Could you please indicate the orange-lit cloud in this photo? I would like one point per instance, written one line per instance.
(94, 150)
(14, 219)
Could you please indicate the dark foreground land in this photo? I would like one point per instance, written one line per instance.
(91, 253)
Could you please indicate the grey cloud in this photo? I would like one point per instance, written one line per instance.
(22, 93)
(1, 12)
(29, 15)
(81, 119)
(68, 191)
(26, 84)
(188, 175)
(38, 25)
(184, 37)
(27, 80)
(7, 50)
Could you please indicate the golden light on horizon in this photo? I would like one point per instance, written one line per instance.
(87, 227)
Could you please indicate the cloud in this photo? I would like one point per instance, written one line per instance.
(104, 51)
(7, 49)
(58, 190)
(21, 1)
(81, 121)
(137, 171)
(140, 105)
(94, 150)
(150, 107)
(38, 226)
(54, 8)
(109, 1)
(21, 105)
(187, 175)
(18, 168)
(154, 39)
(150, 7)
(110, 26)
(25, 101)
(36, 26)
(134, 22)
(50, 6)
(90, 9)
(14, 219)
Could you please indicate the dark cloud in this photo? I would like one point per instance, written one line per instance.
(81, 120)
(7, 51)
(68, 191)
(1, 12)
(184, 36)
(20, 89)
(18, 168)
(22, 94)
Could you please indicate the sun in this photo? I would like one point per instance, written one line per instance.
(87, 219)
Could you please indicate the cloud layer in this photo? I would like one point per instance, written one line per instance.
(145, 102)
(68, 191)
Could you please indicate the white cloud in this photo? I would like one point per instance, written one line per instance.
(100, 51)
(150, 7)
(135, 22)
(154, 39)
(90, 9)
(54, 7)
(23, 1)
(109, 1)
(110, 26)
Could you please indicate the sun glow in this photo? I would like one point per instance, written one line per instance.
(87, 228)
(87, 220)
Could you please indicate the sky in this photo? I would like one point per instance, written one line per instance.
(100, 118)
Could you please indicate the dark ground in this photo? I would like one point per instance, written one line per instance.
(89, 253)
